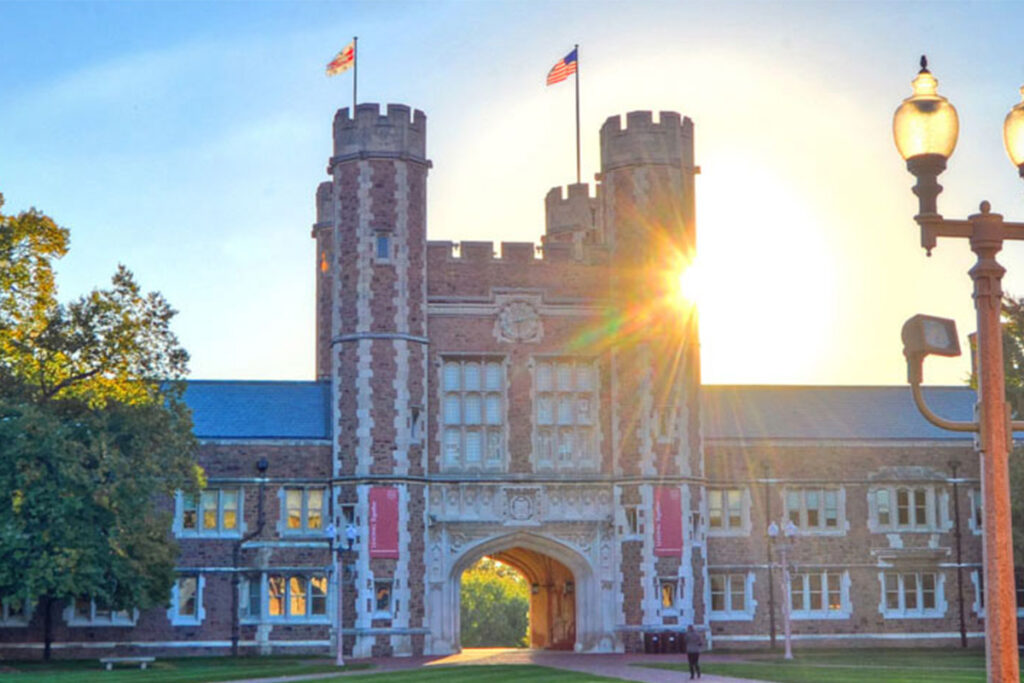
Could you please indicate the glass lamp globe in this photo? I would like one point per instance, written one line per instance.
(926, 123)
(1013, 134)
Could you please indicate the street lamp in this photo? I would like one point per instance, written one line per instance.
(789, 531)
(351, 535)
(925, 129)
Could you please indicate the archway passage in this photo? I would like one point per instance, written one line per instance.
(552, 597)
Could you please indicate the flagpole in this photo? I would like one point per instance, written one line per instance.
(355, 71)
(576, 49)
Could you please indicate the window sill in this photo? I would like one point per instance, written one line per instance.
(101, 624)
(292, 621)
(208, 535)
(809, 615)
(928, 614)
(730, 616)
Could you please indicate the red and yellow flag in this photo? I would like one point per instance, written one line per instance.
(345, 60)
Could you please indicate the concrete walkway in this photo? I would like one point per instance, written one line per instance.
(610, 665)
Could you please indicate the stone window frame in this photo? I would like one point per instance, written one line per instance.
(937, 611)
(729, 614)
(174, 614)
(182, 505)
(976, 520)
(498, 429)
(14, 619)
(804, 576)
(936, 508)
(249, 598)
(390, 608)
(671, 583)
(382, 238)
(304, 528)
(288, 597)
(631, 527)
(557, 426)
(978, 584)
(668, 420)
(802, 522)
(98, 617)
(727, 528)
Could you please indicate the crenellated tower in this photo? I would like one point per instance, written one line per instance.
(647, 205)
(372, 342)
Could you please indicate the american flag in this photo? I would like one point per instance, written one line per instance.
(563, 68)
(344, 61)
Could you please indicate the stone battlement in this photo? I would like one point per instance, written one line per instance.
(484, 252)
(324, 202)
(370, 134)
(642, 141)
(575, 212)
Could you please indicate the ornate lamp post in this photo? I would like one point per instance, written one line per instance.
(925, 129)
(789, 532)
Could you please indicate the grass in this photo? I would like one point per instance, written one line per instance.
(854, 666)
(209, 670)
(179, 670)
(496, 673)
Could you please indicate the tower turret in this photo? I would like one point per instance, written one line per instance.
(647, 199)
(377, 351)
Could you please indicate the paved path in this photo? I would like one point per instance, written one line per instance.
(610, 665)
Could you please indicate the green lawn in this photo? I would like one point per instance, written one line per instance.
(180, 670)
(208, 670)
(854, 666)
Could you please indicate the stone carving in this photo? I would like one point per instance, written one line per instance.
(534, 504)
(518, 321)
(521, 505)
(521, 508)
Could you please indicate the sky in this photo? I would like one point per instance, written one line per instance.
(186, 140)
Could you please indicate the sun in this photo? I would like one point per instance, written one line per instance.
(688, 285)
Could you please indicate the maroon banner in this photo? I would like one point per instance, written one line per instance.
(384, 522)
(668, 521)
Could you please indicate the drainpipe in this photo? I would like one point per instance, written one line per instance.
(236, 553)
(953, 464)
(771, 580)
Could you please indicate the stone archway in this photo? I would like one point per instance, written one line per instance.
(552, 597)
(565, 606)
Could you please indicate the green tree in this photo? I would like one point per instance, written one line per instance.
(1013, 367)
(495, 606)
(94, 434)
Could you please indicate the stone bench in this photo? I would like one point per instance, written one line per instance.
(109, 662)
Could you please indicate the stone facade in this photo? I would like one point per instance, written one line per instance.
(542, 406)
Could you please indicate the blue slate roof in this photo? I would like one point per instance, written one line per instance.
(233, 409)
(259, 410)
(830, 412)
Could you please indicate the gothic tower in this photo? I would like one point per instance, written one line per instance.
(371, 342)
(647, 195)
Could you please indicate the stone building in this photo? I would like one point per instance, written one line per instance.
(542, 405)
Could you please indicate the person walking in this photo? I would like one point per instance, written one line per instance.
(694, 642)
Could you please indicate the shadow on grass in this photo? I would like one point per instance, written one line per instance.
(851, 666)
(171, 670)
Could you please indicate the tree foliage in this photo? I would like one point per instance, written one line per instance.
(1013, 365)
(94, 435)
(495, 606)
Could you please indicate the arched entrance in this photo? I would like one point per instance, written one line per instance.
(565, 609)
(552, 597)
